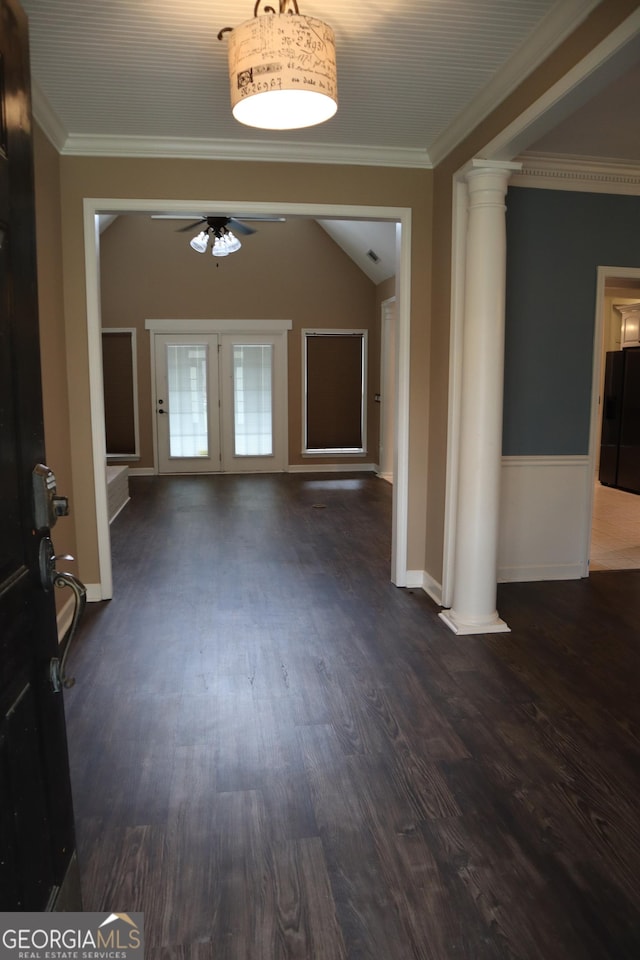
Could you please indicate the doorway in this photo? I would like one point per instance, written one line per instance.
(399, 215)
(615, 514)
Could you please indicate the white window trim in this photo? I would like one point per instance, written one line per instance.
(218, 326)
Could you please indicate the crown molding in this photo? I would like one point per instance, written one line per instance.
(46, 117)
(208, 149)
(591, 175)
(561, 21)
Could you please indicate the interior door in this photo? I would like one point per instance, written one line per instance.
(186, 403)
(36, 817)
(253, 403)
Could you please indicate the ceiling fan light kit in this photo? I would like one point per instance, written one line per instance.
(225, 244)
(200, 242)
(218, 229)
(219, 248)
(282, 69)
(232, 242)
(224, 241)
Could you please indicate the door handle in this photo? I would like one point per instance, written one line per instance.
(62, 579)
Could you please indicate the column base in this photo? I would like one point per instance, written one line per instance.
(468, 627)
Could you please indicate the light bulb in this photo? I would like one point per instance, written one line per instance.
(219, 248)
(233, 243)
(200, 242)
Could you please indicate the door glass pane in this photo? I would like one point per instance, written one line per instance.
(187, 400)
(252, 416)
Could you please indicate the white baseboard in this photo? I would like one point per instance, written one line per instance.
(432, 588)
(292, 468)
(119, 510)
(331, 467)
(414, 578)
(421, 580)
(94, 592)
(547, 571)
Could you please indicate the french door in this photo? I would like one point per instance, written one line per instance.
(220, 403)
(186, 403)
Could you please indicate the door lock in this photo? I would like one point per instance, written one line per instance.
(48, 505)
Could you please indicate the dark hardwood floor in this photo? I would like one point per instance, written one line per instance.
(278, 754)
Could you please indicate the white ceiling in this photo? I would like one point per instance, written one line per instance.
(413, 75)
(149, 78)
(362, 238)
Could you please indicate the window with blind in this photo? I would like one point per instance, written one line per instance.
(334, 391)
(120, 392)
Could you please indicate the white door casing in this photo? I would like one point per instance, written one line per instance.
(92, 206)
(388, 389)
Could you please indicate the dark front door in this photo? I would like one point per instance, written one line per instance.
(36, 819)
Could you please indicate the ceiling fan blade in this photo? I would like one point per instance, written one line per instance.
(265, 218)
(191, 226)
(240, 227)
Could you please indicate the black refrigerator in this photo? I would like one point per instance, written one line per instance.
(620, 443)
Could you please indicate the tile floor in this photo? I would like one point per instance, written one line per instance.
(615, 536)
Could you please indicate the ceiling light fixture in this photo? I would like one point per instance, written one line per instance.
(224, 241)
(282, 69)
(232, 242)
(220, 248)
(200, 242)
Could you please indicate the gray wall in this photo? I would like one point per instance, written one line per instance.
(555, 242)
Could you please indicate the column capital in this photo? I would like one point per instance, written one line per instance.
(511, 166)
(494, 172)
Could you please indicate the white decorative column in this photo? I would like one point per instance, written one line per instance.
(480, 435)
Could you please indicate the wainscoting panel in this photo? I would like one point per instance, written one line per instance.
(544, 518)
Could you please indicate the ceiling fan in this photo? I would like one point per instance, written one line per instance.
(218, 225)
(219, 229)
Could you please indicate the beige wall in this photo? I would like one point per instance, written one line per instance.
(52, 335)
(385, 290)
(291, 271)
(219, 181)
